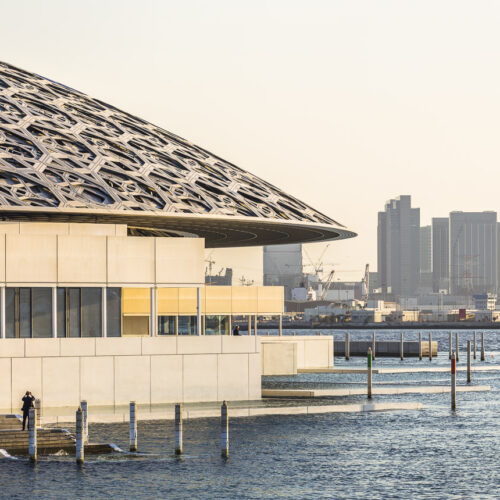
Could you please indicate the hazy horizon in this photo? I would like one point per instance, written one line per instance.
(342, 104)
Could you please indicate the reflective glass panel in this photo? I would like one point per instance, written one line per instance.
(91, 312)
(10, 313)
(42, 312)
(166, 325)
(114, 311)
(73, 312)
(61, 312)
(25, 313)
(187, 325)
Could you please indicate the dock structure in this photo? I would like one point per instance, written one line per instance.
(386, 348)
(49, 440)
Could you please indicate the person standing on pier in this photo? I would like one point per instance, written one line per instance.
(28, 402)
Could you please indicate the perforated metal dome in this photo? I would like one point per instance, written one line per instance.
(66, 156)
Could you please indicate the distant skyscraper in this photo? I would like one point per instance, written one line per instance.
(440, 254)
(473, 252)
(399, 247)
(426, 249)
(283, 266)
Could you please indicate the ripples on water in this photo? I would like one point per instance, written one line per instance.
(432, 453)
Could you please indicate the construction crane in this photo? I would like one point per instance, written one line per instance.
(327, 285)
(318, 265)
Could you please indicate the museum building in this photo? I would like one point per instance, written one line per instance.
(104, 221)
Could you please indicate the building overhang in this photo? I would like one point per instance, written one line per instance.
(218, 231)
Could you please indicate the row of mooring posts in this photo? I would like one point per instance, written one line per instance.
(453, 371)
(420, 355)
(474, 346)
(82, 434)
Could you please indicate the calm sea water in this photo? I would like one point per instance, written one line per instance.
(433, 453)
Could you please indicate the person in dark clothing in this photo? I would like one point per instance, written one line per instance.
(28, 402)
(236, 330)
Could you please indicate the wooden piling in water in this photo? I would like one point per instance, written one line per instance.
(374, 342)
(347, 347)
(84, 407)
(430, 346)
(457, 348)
(369, 372)
(133, 426)
(38, 413)
(453, 382)
(402, 347)
(224, 424)
(483, 357)
(450, 346)
(79, 447)
(178, 429)
(32, 435)
(474, 343)
(468, 363)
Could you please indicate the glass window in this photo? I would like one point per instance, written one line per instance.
(166, 325)
(187, 325)
(91, 299)
(61, 312)
(114, 311)
(10, 313)
(73, 312)
(42, 312)
(25, 313)
(216, 325)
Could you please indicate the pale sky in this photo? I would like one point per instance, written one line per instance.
(343, 104)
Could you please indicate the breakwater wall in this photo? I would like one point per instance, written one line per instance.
(385, 348)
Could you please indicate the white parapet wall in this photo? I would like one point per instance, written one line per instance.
(115, 371)
(310, 352)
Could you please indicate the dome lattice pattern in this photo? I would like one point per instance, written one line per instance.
(62, 149)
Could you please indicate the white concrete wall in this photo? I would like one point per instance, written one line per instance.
(113, 371)
(279, 358)
(47, 254)
(312, 351)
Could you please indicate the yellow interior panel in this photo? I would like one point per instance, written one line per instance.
(136, 301)
(168, 301)
(218, 299)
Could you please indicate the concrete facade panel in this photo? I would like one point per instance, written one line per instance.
(46, 228)
(198, 344)
(61, 381)
(238, 344)
(254, 376)
(26, 376)
(117, 346)
(279, 358)
(233, 376)
(131, 260)
(97, 380)
(88, 229)
(81, 259)
(159, 345)
(132, 379)
(317, 354)
(166, 379)
(200, 377)
(31, 258)
(77, 347)
(12, 348)
(42, 347)
(180, 260)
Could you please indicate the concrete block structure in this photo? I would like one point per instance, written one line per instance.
(104, 220)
